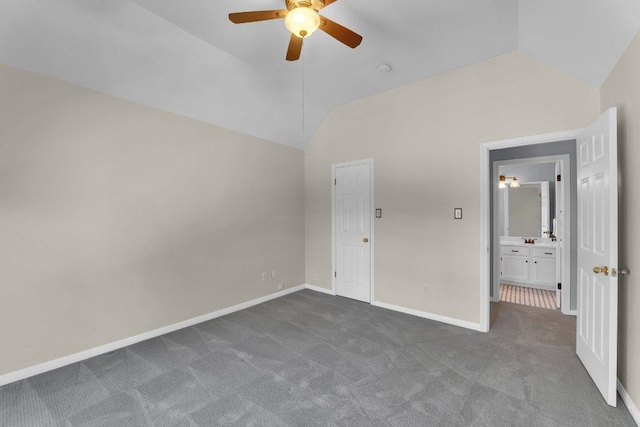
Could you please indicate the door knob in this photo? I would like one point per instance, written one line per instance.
(365, 239)
(604, 270)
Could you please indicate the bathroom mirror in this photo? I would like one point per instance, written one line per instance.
(527, 210)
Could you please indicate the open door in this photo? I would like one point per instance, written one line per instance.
(597, 326)
(558, 223)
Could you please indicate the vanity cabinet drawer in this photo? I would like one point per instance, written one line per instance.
(516, 250)
(544, 253)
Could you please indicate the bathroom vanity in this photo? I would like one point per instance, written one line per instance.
(528, 261)
(532, 265)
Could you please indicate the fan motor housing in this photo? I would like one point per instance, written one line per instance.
(315, 4)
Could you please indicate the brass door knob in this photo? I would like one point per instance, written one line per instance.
(365, 239)
(604, 270)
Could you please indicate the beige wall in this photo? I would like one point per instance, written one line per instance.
(622, 90)
(424, 139)
(117, 219)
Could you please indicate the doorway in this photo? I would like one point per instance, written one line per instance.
(353, 230)
(530, 143)
(532, 217)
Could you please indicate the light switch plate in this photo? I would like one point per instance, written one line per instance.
(457, 213)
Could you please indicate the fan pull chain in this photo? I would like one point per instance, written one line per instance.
(302, 63)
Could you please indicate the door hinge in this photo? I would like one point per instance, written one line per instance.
(335, 182)
(335, 274)
(559, 285)
(559, 178)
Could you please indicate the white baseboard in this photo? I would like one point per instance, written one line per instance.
(83, 355)
(418, 313)
(319, 289)
(431, 316)
(633, 409)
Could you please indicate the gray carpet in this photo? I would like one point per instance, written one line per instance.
(310, 359)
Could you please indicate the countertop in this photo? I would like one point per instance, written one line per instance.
(529, 245)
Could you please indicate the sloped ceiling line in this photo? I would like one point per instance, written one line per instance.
(187, 58)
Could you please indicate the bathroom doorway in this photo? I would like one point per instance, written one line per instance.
(531, 229)
(533, 225)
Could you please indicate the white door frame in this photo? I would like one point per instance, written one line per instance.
(485, 208)
(565, 238)
(333, 222)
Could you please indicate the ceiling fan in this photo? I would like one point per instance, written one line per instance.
(301, 18)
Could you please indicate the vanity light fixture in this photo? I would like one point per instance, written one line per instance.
(503, 182)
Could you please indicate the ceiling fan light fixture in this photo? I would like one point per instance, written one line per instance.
(302, 21)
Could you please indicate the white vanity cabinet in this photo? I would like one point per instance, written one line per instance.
(543, 270)
(515, 263)
(528, 266)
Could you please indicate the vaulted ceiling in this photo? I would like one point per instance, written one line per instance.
(184, 56)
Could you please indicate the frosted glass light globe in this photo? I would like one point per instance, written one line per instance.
(302, 21)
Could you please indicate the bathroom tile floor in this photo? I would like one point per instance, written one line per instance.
(528, 296)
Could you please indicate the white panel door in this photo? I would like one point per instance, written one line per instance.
(353, 231)
(597, 326)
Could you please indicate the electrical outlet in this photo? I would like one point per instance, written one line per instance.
(264, 276)
(280, 287)
(426, 289)
(273, 274)
(313, 271)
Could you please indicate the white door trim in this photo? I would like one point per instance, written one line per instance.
(333, 221)
(565, 160)
(485, 208)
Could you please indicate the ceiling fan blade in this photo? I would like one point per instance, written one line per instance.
(261, 15)
(327, 3)
(295, 48)
(340, 33)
